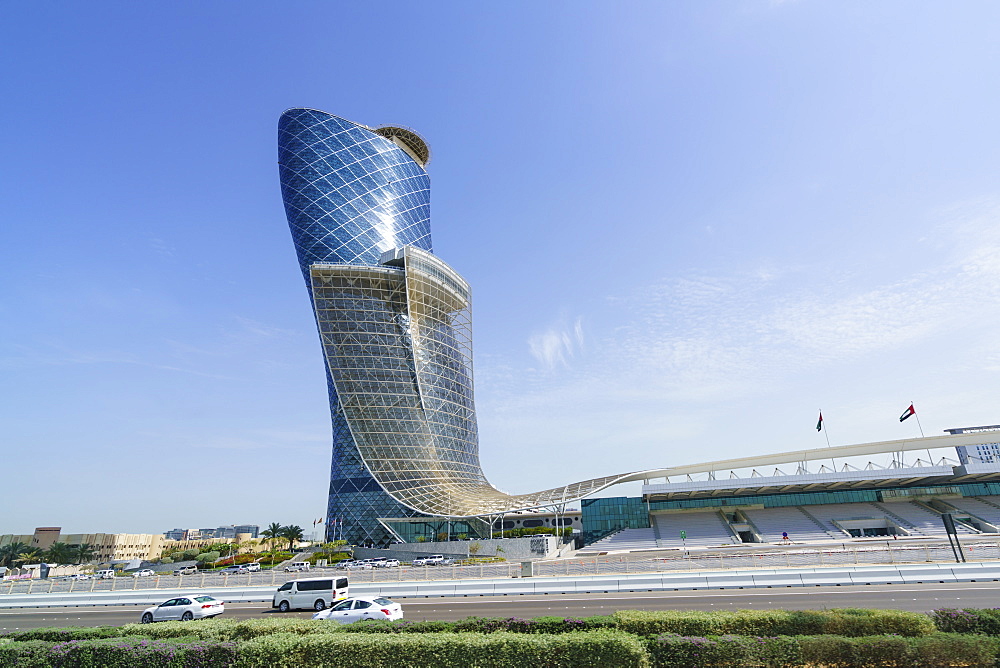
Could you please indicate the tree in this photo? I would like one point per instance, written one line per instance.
(208, 557)
(83, 552)
(28, 555)
(9, 552)
(293, 534)
(474, 548)
(59, 553)
(272, 533)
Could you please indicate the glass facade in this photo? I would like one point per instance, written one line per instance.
(395, 324)
(604, 516)
(350, 194)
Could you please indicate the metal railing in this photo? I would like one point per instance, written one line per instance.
(865, 554)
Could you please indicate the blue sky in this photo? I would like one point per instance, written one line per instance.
(688, 226)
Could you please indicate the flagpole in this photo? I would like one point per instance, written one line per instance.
(916, 415)
(822, 423)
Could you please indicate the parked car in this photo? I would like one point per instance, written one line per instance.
(359, 566)
(81, 576)
(144, 573)
(184, 608)
(359, 609)
(297, 566)
(390, 563)
(186, 570)
(253, 566)
(235, 569)
(315, 593)
(345, 563)
(433, 560)
(106, 573)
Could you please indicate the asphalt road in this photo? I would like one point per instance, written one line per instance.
(920, 598)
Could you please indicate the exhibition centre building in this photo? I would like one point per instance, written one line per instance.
(395, 325)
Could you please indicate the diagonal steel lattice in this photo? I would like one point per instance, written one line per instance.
(396, 328)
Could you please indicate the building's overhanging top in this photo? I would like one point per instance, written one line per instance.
(405, 138)
(408, 140)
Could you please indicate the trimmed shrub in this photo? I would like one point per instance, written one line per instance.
(65, 634)
(488, 625)
(118, 653)
(933, 651)
(27, 654)
(534, 625)
(400, 626)
(676, 651)
(446, 650)
(847, 622)
(968, 620)
(223, 630)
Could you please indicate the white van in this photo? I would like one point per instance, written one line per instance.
(315, 593)
(297, 566)
(108, 573)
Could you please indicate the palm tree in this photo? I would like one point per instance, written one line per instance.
(293, 534)
(84, 552)
(59, 553)
(272, 532)
(27, 555)
(9, 552)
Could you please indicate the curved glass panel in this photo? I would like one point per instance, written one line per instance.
(349, 195)
(397, 337)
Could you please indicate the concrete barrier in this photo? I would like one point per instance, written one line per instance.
(790, 577)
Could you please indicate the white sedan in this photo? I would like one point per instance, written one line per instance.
(184, 608)
(144, 573)
(360, 609)
(359, 566)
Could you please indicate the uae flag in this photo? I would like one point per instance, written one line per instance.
(907, 413)
(819, 423)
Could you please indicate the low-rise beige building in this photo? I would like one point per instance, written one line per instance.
(117, 546)
(107, 546)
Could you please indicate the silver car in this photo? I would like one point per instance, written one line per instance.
(184, 608)
(359, 566)
(361, 609)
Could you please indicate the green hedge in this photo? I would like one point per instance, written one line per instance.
(932, 651)
(598, 649)
(829, 651)
(245, 629)
(968, 620)
(225, 630)
(483, 625)
(846, 622)
(674, 651)
(117, 653)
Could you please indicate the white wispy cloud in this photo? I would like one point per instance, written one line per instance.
(683, 350)
(557, 344)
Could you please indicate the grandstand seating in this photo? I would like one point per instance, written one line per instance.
(703, 529)
(771, 522)
(803, 523)
(626, 539)
(981, 508)
(923, 521)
